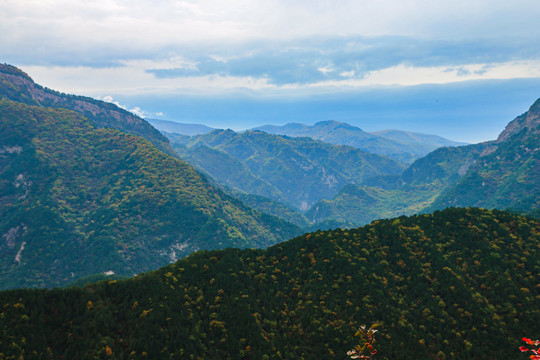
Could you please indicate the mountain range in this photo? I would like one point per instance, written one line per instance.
(256, 163)
(78, 197)
(89, 191)
(502, 174)
(295, 171)
(398, 145)
(86, 187)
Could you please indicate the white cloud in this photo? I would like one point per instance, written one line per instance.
(121, 26)
(134, 80)
(136, 110)
(325, 70)
(111, 46)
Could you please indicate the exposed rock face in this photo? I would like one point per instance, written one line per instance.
(530, 121)
(16, 85)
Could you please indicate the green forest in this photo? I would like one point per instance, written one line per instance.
(77, 200)
(461, 283)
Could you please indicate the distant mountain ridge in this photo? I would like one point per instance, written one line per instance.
(418, 139)
(179, 128)
(296, 171)
(503, 174)
(398, 145)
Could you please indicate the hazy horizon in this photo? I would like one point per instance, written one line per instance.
(457, 69)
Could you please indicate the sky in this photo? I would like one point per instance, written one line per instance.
(461, 69)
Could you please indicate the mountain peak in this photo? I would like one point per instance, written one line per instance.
(12, 70)
(335, 124)
(529, 120)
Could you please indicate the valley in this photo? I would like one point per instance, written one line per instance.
(118, 241)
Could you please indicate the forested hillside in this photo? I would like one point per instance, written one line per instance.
(295, 171)
(406, 194)
(17, 86)
(507, 174)
(77, 200)
(502, 174)
(456, 284)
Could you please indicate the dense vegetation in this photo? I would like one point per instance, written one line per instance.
(457, 284)
(501, 174)
(17, 86)
(77, 200)
(406, 194)
(296, 171)
(507, 176)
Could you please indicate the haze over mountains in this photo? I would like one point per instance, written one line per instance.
(296, 171)
(439, 179)
(398, 145)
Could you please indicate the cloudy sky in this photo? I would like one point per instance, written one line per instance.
(460, 69)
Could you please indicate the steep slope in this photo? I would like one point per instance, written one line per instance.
(77, 200)
(501, 174)
(17, 86)
(297, 171)
(458, 284)
(401, 146)
(406, 194)
(507, 174)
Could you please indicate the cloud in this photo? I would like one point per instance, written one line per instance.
(98, 33)
(133, 80)
(135, 47)
(135, 110)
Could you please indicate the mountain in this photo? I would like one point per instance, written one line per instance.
(424, 142)
(179, 128)
(77, 199)
(406, 194)
(500, 174)
(296, 171)
(17, 86)
(397, 145)
(507, 173)
(274, 208)
(456, 284)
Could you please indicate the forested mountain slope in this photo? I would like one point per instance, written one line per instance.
(503, 174)
(76, 200)
(456, 284)
(406, 194)
(17, 86)
(507, 174)
(296, 171)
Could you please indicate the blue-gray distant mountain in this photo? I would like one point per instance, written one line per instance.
(398, 145)
(293, 170)
(174, 127)
(424, 142)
